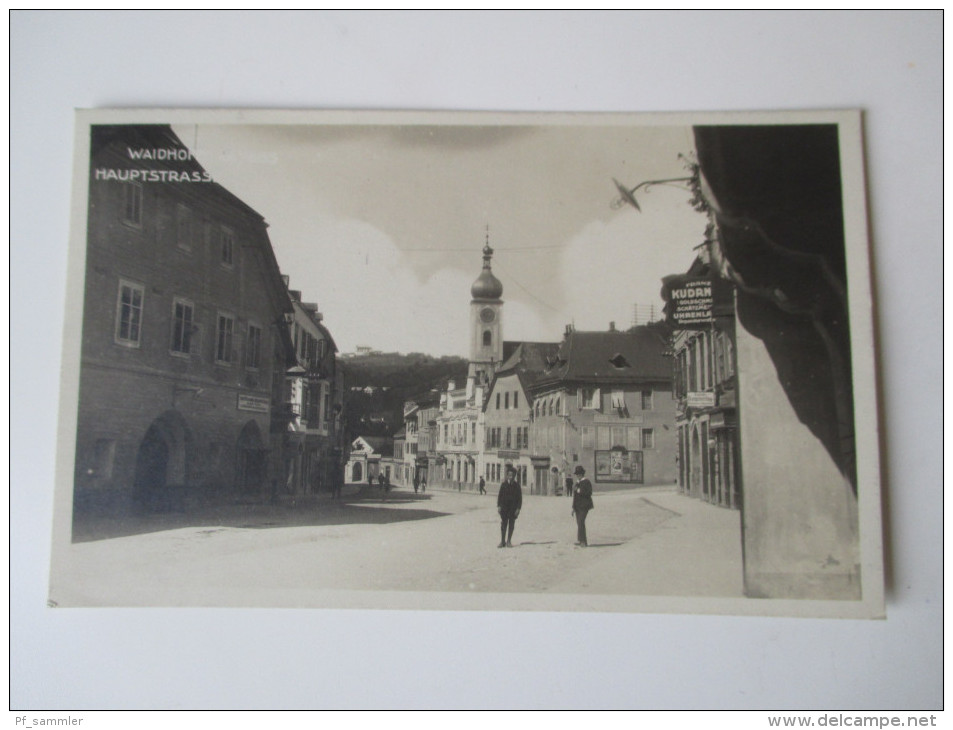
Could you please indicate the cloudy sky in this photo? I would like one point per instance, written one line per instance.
(383, 226)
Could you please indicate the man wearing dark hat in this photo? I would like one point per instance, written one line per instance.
(508, 504)
(581, 504)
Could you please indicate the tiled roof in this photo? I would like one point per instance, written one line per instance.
(529, 360)
(612, 357)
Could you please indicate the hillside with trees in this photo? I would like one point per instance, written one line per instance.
(377, 386)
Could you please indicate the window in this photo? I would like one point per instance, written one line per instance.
(648, 438)
(646, 400)
(589, 398)
(618, 436)
(587, 437)
(516, 399)
(497, 401)
(228, 248)
(223, 340)
(132, 203)
(183, 228)
(618, 399)
(487, 338)
(509, 442)
(445, 433)
(129, 314)
(473, 432)
(182, 327)
(559, 401)
(253, 348)
(634, 438)
(603, 438)
(506, 400)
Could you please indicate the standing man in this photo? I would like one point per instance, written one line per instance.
(581, 504)
(509, 501)
(482, 486)
(568, 486)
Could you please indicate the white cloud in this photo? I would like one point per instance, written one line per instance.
(608, 267)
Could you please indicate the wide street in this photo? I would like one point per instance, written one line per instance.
(649, 542)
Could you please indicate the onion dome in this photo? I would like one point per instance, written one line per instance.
(486, 285)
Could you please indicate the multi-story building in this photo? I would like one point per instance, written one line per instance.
(776, 200)
(508, 414)
(605, 402)
(184, 332)
(313, 399)
(701, 308)
(426, 461)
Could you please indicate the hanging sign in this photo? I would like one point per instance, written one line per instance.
(691, 302)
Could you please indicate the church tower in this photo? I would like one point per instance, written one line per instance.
(486, 322)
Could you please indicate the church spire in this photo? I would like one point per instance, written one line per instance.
(487, 286)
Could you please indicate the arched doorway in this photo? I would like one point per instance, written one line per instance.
(161, 462)
(357, 473)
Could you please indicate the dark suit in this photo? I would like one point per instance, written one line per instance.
(581, 504)
(509, 501)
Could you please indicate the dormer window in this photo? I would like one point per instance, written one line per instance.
(619, 361)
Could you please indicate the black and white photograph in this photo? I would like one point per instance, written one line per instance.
(476, 360)
(607, 362)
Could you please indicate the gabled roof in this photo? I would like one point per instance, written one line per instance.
(528, 361)
(639, 355)
(376, 444)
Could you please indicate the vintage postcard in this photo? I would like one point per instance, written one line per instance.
(469, 361)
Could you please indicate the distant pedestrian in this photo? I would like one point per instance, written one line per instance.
(482, 486)
(380, 482)
(581, 504)
(416, 484)
(423, 484)
(568, 486)
(509, 501)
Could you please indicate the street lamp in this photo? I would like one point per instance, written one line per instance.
(627, 195)
(691, 182)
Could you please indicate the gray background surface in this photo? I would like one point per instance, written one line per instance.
(888, 63)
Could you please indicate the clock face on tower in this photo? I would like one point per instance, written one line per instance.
(487, 315)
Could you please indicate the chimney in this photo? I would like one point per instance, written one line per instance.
(612, 326)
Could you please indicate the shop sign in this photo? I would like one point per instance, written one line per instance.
(507, 454)
(705, 399)
(691, 303)
(254, 403)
